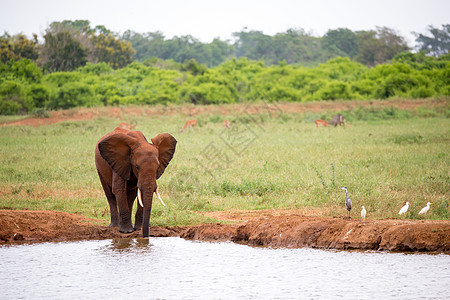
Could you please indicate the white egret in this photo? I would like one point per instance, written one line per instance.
(425, 209)
(363, 213)
(404, 209)
(348, 202)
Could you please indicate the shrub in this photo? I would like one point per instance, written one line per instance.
(40, 113)
(24, 70)
(14, 99)
(335, 90)
(207, 93)
(61, 78)
(96, 69)
(39, 94)
(72, 95)
(10, 106)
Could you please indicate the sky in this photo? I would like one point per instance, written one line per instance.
(208, 19)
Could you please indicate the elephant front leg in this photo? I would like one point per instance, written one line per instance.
(125, 225)
(119, 189)
(131, 195)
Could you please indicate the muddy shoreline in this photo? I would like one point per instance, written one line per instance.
(292, 231)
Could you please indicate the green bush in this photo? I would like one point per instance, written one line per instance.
(23, 86)
(13, 98)
(40, 95)
(10, 106)
(10, 87)
(24, 70)
(61, 78)
(72, 95)
(207, 93)
(335, 90)
(96, 69)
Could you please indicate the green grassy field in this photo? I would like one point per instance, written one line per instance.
(267, 160)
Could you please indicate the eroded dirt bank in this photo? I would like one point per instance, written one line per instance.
(24, 225)
(275, 231)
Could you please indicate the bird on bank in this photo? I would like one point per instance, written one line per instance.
(404, 209)
(363, 213)
(425, 209)
(348, 202)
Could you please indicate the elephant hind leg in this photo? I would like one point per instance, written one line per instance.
(111, 201)
(114, 212)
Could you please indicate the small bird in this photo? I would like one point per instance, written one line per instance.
(363, 213)
(348, 202)
(404, 209)
(425, 209)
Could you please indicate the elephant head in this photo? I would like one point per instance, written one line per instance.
(138, 163)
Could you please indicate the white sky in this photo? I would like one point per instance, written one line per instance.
(207, 19)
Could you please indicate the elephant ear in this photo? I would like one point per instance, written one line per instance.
(116, 150)
(166, 147)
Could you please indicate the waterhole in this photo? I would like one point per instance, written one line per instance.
(174, 268)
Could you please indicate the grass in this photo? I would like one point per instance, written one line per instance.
(387, 157)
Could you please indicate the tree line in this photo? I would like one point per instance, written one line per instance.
(68, 45)
(77, 65)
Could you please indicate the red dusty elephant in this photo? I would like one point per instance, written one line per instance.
(126, 163)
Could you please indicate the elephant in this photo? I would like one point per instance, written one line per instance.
(128, 166)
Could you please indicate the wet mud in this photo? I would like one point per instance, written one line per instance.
(269, 229)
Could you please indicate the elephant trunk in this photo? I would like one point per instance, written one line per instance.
(147, 200)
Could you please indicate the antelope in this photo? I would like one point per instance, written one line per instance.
(321, 122)
(188, 125)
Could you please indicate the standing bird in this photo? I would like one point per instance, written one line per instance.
(363, 213)
(425, 209)
(348, 202)
(404, 209)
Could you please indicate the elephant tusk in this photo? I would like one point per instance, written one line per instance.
(159, 197)
(140, 197)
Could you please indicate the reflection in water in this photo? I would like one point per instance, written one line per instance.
(173, 268)
(123, 245)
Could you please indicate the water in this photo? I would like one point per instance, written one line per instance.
(173, 268)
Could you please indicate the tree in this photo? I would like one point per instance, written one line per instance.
(252, 44)
(68, 25)
(147, 45)
(17, 47)
(71, 44)
(61, 51)
(113, 51)
(438, 43)
(6, 49)
(376, 47)
(341, 41)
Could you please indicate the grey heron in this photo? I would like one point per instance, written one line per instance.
(348, 202)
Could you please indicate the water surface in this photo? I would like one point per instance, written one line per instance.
(174, 268)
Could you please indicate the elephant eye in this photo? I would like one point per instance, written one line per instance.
(137, 167)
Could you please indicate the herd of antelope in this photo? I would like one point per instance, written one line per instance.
(192, 123)
(335, 121)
